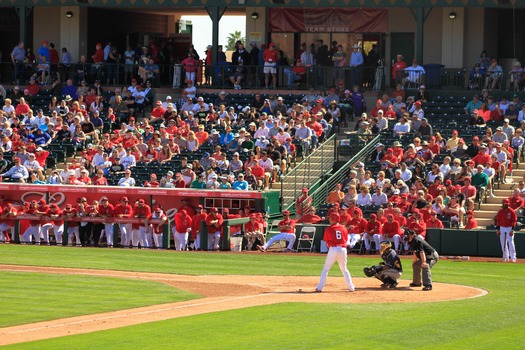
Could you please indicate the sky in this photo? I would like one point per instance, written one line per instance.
(202, 30)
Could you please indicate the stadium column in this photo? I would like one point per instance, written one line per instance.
(420, 14)
(215, 13)
(23, 12)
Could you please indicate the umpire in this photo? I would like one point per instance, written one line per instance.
(425, 257)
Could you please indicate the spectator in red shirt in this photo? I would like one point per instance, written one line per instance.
(152, 181)
(482, 157)
(434, 222)
(468, 191)
(270, 58)
(472, 223)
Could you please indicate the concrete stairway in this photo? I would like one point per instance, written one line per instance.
(488, 210)
(305, 173)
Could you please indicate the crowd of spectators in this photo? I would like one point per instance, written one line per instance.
(427, 172)
(211, 143)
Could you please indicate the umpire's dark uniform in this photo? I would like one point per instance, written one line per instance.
(419, 246)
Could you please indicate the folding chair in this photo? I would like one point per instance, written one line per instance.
(306, 239)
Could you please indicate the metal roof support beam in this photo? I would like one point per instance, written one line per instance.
(23, 12)
(215, 13)
(420, 14)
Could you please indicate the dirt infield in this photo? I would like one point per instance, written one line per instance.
(222, 293)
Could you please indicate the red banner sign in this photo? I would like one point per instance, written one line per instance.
(328, 20)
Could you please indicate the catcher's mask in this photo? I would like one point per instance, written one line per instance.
(384, 246)
(407, 235)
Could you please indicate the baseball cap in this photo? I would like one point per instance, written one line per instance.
(124, 199)
(505, 201)
(305, 190)
(335, 217)
(286, 212)
(214, 209)
(141, 201)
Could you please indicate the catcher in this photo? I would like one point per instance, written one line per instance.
(389, 270)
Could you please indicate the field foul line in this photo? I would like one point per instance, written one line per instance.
(137, 313)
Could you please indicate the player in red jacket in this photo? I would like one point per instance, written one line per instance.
(506, 219)
(214, 222)
(7, 223)
(33, 229)
(392, 231)
(287, 228)
(140, 230)
(106, 210)
(157, 227)
(124, 210)
(373, 231)
(195, 239)
(356, 228)
(253, 230)
(72, 225)
(181, 229)
(336, 238)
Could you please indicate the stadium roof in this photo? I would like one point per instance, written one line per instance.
(268, 3)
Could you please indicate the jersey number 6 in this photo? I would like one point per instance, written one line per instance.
(338, 235)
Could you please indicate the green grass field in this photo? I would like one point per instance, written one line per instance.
(34, 297)
(490, 322)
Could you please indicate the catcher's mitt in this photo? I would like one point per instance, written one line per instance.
(370, 271)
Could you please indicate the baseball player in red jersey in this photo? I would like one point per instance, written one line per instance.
(195, 239)
(34, 225)
(506, 220)
(253, 230)
(141, 211)
(356, 227)
(72, 226)
(158, 228)
(7, 214)
(42, 210)
(336, 238)
(124, 210)
(47, 223)
(55, 214)
(373, 230)
(392, 231)
(214, 222)
(287, 228)
(106, 210)
(181, 229)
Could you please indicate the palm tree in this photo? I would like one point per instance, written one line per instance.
(233, 38)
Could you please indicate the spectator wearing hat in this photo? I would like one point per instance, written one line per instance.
(17, 173)
(190, 64)
(270, 58)
(423, 95)
(127, 180)
(213, 183)
(240, 184)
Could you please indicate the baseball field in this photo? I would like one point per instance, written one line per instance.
(80, 298)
